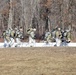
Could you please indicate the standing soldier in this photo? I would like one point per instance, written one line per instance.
(4, 36)
(53, 34)
(18, 36)
(12, 35)
(31, 31)
(47, 37)
(68, 37)
(7, 39)
(63, 38)
(58, 37)
(21, 33)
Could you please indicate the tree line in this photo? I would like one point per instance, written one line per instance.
(41, 14)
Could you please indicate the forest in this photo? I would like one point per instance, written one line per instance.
(40, 14)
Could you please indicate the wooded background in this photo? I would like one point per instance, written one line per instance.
(41, 14)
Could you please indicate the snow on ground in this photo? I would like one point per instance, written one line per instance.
(26, 44)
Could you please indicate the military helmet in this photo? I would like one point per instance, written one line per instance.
(34, 29)
(59, 28)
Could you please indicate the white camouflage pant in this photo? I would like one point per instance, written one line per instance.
(31, 41)
(58, 42)
(6, 43)
(18, 42)
(12, 43)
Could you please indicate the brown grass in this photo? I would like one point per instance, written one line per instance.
(38, 61)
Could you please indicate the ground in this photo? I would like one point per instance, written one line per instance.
(38, 61)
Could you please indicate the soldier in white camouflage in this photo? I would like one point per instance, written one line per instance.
(31, 32)
(68, 36)
(12, 37)
(4, 37)
(58, 37)
(7, 39)
(18, 36)
(47, 37)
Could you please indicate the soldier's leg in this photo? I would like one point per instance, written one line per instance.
(12, 42)
(30, 40)
(19, 42)
(9, 44)
(58, 42)
(5, 43)
(16, 42)
(34, 43)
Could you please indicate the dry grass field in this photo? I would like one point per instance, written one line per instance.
(38, 61)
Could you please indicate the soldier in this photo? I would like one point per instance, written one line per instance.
(18, 36)
(12, 35)
(58, 37)
(47, 37)
(4, 36)
(31, 32)
(7, 39)
(21, 33)
(63, 38)
(53, 35)
(68, 36)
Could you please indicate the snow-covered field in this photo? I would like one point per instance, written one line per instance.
(26, 44)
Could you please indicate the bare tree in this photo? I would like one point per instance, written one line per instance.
(41, 14)
(10, 19)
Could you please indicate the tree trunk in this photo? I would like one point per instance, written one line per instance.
(61, 13)
(10, 19)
